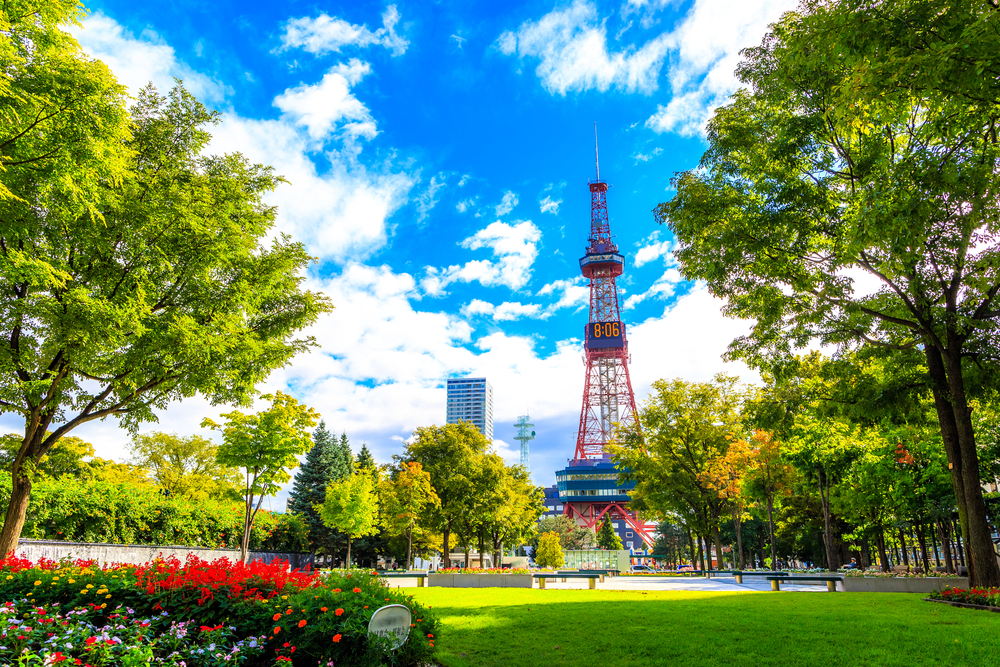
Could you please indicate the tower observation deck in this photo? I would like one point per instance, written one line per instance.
(589, 486)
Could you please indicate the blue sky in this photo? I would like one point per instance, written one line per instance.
(438, 155)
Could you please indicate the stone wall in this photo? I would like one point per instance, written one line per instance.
(137, 554)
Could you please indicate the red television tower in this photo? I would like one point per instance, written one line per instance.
(589, 487)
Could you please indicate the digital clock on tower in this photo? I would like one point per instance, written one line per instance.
(605, 334)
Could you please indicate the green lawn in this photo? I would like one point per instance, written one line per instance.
(582, 628)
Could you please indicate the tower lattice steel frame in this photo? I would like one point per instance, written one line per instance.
(607, 390)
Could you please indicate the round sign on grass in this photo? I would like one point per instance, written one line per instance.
(392, 622)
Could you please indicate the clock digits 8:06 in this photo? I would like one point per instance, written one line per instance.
(606, 329)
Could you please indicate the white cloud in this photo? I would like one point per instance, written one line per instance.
(137, 61)
(646, 157)
(339, 214)
(707, 45)
(319, 107)
(514, 249)
(572, 47)
(549, 205)
(463, 205)
(506, 204)
(662, 289)
(428, 199)
(653, 250)
(505, 312)
(325, 34)
(575, 293)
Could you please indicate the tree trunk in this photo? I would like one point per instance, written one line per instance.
(480, 549)
(445, 535)
(955, 417)
(17, 510)
(919, 529)
(883, 558)
(934, 545)
(770, 531)
(737, 524)
(718, 547)
(701, 554)
(348, 563)
(409, 546)
(691, 547)
(902, 546)
(949, 563)
(832, 562)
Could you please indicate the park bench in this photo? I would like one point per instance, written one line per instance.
(739, 574)
(592, 576)
(831, 581)
(603, 573)
(419, 576)
(719, 572)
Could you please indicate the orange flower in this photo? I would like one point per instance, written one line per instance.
(366, 606)
(302, 623)
(289, 611)
(431, 636)
(336, 590)
(357, 590)
(339, 612)
(336, 638)
(277, 629)
(420, 620)
(276, 616)
(322, 608)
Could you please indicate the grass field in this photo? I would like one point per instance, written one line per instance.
(512, 627)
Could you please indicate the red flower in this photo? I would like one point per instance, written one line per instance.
(277, 629)
(302, 623)
(339, 612)
(336, 638)
(357, 590)
(322, 608)
(276, 616)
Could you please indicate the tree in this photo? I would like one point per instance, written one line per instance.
(607, 538)
(768, 477)
(571, 536)
(682, 427)
(406, 494)
(351, 506)
(265, 445)
(322, 466)
(342, 461)
(159, 290)
(725, 474)
(514, 517)
(450, 454)
(185, 466)
(549, 554)
(862, 150)
(68, 456)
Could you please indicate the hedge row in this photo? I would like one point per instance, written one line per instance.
(67, 508)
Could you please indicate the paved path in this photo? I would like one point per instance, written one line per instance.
(651, 583)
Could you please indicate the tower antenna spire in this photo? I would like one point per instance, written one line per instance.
(597, 162)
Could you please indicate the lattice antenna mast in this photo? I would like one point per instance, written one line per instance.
(607, 394)
(524, 435)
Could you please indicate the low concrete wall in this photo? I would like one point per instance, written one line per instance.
(902, 584)
(481, 580)
(137, 554)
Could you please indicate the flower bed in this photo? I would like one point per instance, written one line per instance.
(198, 613)
(980, 597)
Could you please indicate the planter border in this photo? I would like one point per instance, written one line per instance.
(965, 605)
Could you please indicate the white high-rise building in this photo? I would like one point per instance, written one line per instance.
(471, 400)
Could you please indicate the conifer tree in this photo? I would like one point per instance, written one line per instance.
(607, 538)
(342, 464)
(321, 466)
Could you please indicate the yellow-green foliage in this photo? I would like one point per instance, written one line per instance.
(68, 508)
(549, 552)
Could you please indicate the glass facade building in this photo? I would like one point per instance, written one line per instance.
(471, 400)
(594, 481)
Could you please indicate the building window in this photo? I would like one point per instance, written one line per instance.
(629, 535)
